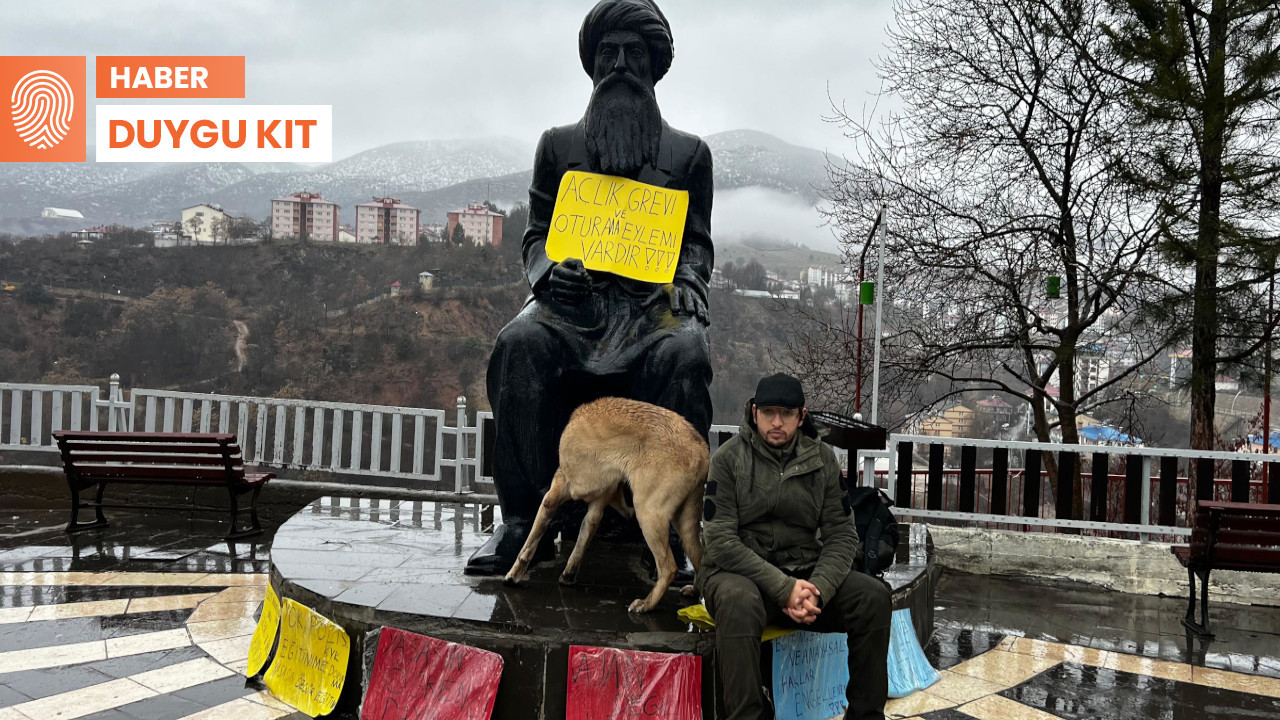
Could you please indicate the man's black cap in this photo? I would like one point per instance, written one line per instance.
(780, 390)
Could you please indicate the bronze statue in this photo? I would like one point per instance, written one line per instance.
(583, 335)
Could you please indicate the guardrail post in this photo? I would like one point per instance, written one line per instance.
(1145, 512)
(460, 447)
(119, 411)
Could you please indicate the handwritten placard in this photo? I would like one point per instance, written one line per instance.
(311, 663)
(416, 677)
(810, 674)
(605, 683)
(264, 635)
(617, 225)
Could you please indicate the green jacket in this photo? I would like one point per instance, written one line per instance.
(763, 519)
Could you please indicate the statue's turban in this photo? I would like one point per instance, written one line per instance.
(639, 16)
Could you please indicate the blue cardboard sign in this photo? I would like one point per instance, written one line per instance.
(811, 670)
(810, 674)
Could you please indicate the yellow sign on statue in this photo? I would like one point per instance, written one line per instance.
(264, 636)
(617, 225)
(311, 662)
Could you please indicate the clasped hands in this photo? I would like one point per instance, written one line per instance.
(570, 284)
(802, 604)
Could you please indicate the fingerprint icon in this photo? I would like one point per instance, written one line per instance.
(42, 107)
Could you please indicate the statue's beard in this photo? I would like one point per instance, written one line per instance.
(623, 125)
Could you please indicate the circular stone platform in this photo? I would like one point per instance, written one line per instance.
(368, 563)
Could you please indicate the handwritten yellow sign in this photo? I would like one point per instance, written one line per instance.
(264, 636)
(311, 662)
(618, 225)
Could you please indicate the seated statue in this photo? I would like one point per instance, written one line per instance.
(587, 334)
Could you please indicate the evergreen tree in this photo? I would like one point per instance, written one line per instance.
(1204, 80)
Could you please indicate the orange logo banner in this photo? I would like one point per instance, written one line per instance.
(44, 115)
(170, 76)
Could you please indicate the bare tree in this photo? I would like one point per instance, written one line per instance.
(1003, 174)
(195, 225)
(220, 230)
(827, 351)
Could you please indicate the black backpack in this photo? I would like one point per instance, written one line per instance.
(877, 528)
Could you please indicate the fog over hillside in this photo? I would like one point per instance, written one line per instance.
(745, 212)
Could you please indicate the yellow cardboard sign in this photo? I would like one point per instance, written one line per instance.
(311, 662)
(264, 636)
(617, 225)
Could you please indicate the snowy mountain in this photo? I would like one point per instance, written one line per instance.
(748, 158)
(398, 169)
(435, 176)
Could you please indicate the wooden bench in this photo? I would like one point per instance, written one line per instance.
(201, 460)
(1227, 536)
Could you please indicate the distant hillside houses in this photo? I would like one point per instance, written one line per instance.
(816, 276)
(837, 280)
(307, 217)
(386, 221)
(956, 421)
(811, 279)
(480, 225)
(304, 216)
(431, 232)
(166, 234)
(91, 233)
(205, 224)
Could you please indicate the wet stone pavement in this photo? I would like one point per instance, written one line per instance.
(150, 618)
(1038, 650)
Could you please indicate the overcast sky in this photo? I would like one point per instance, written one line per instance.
(435, 69)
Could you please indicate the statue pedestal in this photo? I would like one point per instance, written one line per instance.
(368, 563)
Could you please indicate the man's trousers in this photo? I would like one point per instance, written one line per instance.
(861, 607)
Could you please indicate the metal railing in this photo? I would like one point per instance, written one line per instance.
(1124, 491)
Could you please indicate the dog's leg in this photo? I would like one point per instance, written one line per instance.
(654, 522)
(556, 494)
(687, 527)
(589, 524)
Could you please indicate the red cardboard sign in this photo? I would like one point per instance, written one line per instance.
(416, 677)
(605, 683)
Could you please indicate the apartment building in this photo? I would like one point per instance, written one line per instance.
(304, 216)
(481, 225)
(387, 221)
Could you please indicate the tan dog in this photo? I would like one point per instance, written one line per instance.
(657, 453)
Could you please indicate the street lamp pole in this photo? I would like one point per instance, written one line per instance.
(1266, 398)
(875, 363)
(862, 272)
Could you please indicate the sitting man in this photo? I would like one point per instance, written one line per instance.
(780, 549)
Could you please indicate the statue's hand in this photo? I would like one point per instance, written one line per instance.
(683, 300)
(570, 283)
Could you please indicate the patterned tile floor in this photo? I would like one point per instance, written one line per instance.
(1022, 649)
(151, 619)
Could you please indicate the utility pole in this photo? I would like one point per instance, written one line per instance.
(1266, 376)
(862, 271)
(875, 364)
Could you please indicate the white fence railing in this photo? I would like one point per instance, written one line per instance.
(382, 445)
(377, 445)
(1126, 490)
(29, 413)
